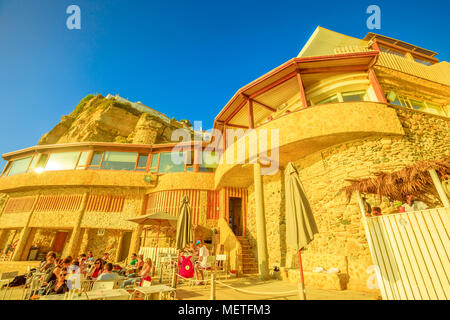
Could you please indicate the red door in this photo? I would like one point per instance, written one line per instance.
(60, 240)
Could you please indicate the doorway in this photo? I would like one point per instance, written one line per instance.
(235, 215)
(60, 241)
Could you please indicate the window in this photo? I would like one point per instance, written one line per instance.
(96, 160)
(210, 159)
(83, 159)
(353, 96)
(41, 163)
(334, 98)
(398, 53)
(167, 164)
(154, 163)
(19, 166)
(425, 62)
(142, 162)
(119, 161)
(417, 105)
(435, 109)
(62, 161)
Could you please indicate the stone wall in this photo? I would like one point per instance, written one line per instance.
(323, 174)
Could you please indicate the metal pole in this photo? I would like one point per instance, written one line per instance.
(213, 286)
(301, 285)
(438, 186)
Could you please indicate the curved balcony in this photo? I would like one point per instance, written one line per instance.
(313, 129)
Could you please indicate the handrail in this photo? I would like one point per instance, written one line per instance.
(232, 246)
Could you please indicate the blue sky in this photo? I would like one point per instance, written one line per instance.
(183, 58)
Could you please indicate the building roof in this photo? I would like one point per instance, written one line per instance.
(408, 46)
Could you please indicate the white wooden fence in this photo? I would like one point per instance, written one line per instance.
(149, 252)
(412, 251)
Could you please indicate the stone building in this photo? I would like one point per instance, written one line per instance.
(344, 108)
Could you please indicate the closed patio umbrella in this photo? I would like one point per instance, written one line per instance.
(185, 234)
(300, 223)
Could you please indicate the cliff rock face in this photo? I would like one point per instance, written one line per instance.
(100, 119)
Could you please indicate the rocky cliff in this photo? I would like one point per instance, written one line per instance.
(112, 119)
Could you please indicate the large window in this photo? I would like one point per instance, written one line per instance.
(347, 96)
(19, 166)
(171, 162)
(210, 159)
(418, 105)
(119, 161)
(62, 161)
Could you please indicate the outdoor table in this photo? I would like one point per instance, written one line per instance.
(61, 297)
(158, 289)
(105, 294)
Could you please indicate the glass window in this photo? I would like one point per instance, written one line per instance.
(417, 105)
(96, 159)
(83, 158)
(142, 162)
(427, 63)
(154, 164)
(353, 96)
(167, 164)
(435, 109)
(33, 162)
(398, 53)
(332, 99)
(19, 166)
(41, 163)
(210, 159)
(119, 160)
(62, 161)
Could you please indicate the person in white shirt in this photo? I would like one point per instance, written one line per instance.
(413, 205)
(202, 264)
(108, 274)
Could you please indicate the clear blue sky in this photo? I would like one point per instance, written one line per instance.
(183, 58)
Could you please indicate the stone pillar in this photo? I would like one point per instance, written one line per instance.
(84, 241)
(71, 247)
(28, 244)
(135, 240)
(261, 237)
(24, 234)
(119, 247)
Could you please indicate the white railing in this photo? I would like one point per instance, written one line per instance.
(412, 251)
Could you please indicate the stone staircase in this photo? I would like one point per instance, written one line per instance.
(249, 262)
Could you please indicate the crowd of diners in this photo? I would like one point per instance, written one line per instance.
(55, 275)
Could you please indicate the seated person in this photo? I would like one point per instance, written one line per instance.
(49, 261)
(412, 205)
(133, 261)
(201, 263)
(96, 269)
(90, 257)
(108, 274)
(60, 286)
(144, 274)
(376, 211)
(54, 275)
(74, 267)
(105, 257)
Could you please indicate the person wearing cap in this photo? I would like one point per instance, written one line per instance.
(202, 264)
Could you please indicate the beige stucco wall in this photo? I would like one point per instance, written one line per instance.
(323, 174)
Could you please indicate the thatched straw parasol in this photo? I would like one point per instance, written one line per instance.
(415, 180)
